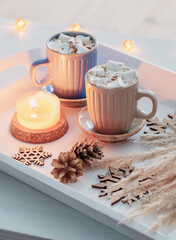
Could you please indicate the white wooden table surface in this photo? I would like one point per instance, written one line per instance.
(26, 213)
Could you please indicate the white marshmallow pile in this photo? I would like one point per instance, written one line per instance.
(112, 75)
(66, 44)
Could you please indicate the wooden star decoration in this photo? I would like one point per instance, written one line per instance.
(34, 155)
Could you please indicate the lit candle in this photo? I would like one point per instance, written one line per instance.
(76, 27)
(20, 24)
(38, 110)
(128, 45)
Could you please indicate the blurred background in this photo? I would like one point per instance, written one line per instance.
(147, 18)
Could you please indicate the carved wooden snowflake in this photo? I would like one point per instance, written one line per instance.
(113, 176)
(34, 155)
(113, 188)
(157, 127)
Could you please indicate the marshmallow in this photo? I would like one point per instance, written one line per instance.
(52, 43)
(121, 82)
(81, 38)
(98, 71)
(58, 44)
(114, 84)
(62, 48)
(129, 75)
(114, 66)
(65, 38)
(78, 39)
(96, 80)
(99, 82)
(81, 49)
(86, 41)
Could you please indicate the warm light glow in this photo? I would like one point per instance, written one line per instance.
(20, 24)
(33, 103)
(128, 44)
(38, 110)
(76, 27)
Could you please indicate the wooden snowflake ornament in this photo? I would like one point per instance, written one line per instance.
(112, 177)
(156, 126)
(34, 155)
(112, 187)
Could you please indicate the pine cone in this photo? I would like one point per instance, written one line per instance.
(67, 167)
(88, 151)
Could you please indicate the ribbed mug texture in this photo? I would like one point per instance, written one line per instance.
(68, 72)
(112, 110)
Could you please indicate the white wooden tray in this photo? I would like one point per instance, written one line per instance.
(80, 195)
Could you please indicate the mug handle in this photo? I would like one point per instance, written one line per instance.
(34, 66)
(149, 94)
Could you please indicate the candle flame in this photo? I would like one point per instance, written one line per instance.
(128, 45)
(33, 103)
(76, 27)
(33, 106)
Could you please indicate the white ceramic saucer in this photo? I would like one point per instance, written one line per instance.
(87, 126)
(75, 103)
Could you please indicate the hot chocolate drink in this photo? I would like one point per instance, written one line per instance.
(112, 75)
(71, 44)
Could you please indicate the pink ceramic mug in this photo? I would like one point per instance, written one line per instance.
(66, 71)
(112, 110)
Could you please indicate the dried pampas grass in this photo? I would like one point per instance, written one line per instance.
(157, 179)
(163, 203)
(158, 139)
(162, 183)
(162, 152)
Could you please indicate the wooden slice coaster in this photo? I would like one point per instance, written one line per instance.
(39, 136)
